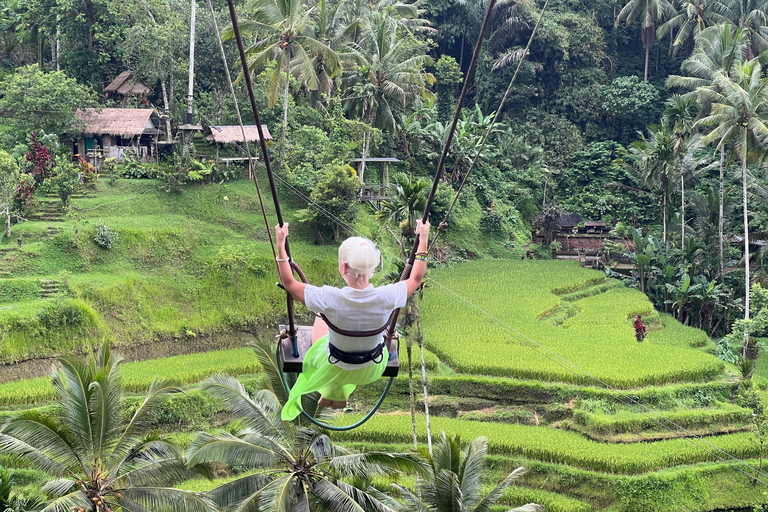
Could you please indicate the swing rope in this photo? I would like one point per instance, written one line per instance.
(392, 323)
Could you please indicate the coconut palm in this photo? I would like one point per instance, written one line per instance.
(392, 74)
(738, 117)
(679, 116)
(717, 49)
(653, 163)
(649, 12)
(454, 481)
(752, 16)
(692, 19)
(289, 467)
(98, 461)
(284, 30)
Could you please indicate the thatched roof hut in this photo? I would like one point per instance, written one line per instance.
(122, 122)
(126, 85)
(233, 134)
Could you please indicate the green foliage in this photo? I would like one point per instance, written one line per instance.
(66, 180)
(448, 77)
(105, 236)
(48, 101)
(137, 376)
(334, 199)
(632, 104)
(62, 312)
(232, 261)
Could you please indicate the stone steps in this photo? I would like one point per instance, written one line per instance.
(51, 288)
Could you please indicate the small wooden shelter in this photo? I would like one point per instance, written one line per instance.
(126, 85)
(233, 134)
(116, 132)
(376, 191)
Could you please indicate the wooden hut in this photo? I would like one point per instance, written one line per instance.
(116, 132)
(233, 134)
(375, 191)
(125, 85)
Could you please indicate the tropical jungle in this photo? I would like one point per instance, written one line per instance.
(592, 330)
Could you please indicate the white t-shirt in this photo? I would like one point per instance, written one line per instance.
(356, 310)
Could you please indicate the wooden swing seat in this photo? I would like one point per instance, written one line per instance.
(292, 364)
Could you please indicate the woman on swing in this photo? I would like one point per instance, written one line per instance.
(335, 364)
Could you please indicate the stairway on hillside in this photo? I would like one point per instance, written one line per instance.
(51, 288)
(50, 211)
(51, 232)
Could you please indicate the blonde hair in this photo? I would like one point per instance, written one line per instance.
(360, 254)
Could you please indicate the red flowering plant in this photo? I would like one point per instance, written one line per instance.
(87, 170)
(640, 330)
(25, 200)
(39, 157)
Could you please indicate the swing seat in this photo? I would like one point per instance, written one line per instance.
(291, 364)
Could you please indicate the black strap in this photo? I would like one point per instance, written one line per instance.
(354, 334)
(376, 355)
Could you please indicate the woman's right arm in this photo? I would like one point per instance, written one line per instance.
(420, 265)
(291, 285)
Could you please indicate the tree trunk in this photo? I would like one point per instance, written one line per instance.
(412, 395)
(167, 109)
(682, 209)
(191, 83)
(58, 48)
(664, 218)
(424, 384)
(746, 235)
(285, 106)
(647, 51)
(361, 169)
(721, 220)
(8, 222)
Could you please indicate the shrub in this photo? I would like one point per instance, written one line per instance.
(63, 312)
(105, 236)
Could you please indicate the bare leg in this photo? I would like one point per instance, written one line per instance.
(324, 402)
(338, 405)
(319, 329)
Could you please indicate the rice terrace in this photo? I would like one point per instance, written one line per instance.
(383, 256)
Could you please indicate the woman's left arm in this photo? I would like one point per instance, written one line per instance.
(291, 285)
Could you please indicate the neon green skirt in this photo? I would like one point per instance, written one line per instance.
(332, 382)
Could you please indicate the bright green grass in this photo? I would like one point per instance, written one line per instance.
(157, 281)
(137, 376)
(549, 445)
(598, 339)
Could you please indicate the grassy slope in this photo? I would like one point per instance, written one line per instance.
(156, 281)
(597, 340)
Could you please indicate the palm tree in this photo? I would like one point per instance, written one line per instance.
(98, 461)
(752, 16)
(654, 165)
(15, 502)
(285, 33)
(738, 116)
(392, 73)
(291, 467)
(649, 12)
(454, 481)
(680, 115)
(694, 17)
(717, 49)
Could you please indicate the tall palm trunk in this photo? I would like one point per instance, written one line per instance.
(361, 169)
(647, 51)
(721, 220)
(285, 105)
(8, 224)
(746, 234)
(420, 340)
(682, 209)
(167, 110)
(664, 218)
